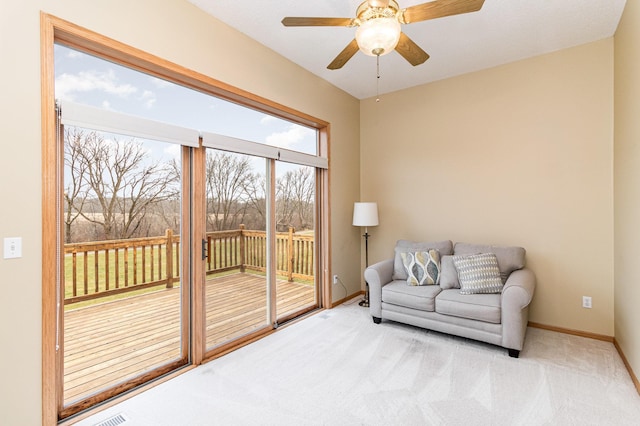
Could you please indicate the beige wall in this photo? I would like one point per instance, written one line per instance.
(520, 154)
(627, 184)
(174, 30)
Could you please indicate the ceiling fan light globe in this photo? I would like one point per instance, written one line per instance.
(378, 36)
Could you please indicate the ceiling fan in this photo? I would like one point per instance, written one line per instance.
(379, 31)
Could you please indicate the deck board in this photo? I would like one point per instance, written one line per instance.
(109, 343)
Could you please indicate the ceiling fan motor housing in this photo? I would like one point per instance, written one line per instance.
(366, 11)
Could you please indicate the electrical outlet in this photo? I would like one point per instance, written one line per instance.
(335, 279)
(586, 302)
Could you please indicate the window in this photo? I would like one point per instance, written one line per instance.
(192, 234)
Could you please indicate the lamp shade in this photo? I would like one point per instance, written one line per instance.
(365, 214)
(378, 36)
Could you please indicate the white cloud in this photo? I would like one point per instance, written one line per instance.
(159, 83)
(268, 119)
(74, 54)
(67, 85)
(288, 138)
(149, 98)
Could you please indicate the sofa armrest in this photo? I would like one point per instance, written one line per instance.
(519, 288)
(516, 297)
(377, 276)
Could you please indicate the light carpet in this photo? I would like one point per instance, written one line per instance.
(339, 368)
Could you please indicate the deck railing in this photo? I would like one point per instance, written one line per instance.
(294, 253)
(103, 268)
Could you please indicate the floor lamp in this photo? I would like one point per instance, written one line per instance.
(365, 214)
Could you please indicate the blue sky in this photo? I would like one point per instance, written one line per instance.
(92, 81)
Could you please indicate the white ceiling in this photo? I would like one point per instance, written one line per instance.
(502, 31)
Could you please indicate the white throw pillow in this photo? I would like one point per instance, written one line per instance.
(478, 273)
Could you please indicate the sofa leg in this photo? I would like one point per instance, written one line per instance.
(377, 320)
(514, 353)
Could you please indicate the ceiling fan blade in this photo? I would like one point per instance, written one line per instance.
(316, 22)
(439, 9)
(346, 54)
(411, 51)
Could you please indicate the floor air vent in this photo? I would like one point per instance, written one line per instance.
(118, 419)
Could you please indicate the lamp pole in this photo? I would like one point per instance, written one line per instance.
(365, 302)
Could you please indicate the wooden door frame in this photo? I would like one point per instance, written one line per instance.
(52, 30)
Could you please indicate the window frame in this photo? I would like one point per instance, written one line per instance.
(55, 30)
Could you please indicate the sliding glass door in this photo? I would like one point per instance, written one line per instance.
(295, 212)
(236, 246)
(123, 290)
(261, 251)
(181, 218)
(260, 244)
(123, 296)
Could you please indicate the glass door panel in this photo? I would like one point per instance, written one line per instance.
(295, 241)
(123, 293)
(125, 246)
(236, 287)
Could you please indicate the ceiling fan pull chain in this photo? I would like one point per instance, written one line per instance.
(377, 78)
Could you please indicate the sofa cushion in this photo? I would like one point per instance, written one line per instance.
(404, 246)
(509, 258)
(479, 307)
(423, 267)
(448, 273)
(478, 273)
(415, 297)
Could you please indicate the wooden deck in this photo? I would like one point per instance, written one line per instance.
(112, 342)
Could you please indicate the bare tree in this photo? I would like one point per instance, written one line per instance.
(295, 199)
(119, 192)
(123, 181)
(167, 213)
(75, 189)
(228, 177)
(257, 203)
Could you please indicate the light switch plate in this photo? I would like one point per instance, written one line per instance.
(12, 248)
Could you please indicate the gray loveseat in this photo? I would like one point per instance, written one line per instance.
(499, 318)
